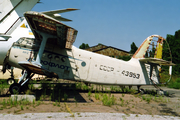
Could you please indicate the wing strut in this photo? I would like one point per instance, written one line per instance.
(35, 65)
(45, 36)
(151, 72)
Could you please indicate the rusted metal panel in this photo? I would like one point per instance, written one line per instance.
(40, 22)
(145, 47)
(71, 36)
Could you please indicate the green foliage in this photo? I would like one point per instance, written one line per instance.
(125, 58)
(89, 94)
(85, 87)
(122, 102)
(3, 86)
(22, 107)
(78, 85)
(152, 52)
(84, 46)
(174, 42)
(65, 97)
(175, 84)
(133, 48)
(108, 100)
(147, 98)
(97, 96)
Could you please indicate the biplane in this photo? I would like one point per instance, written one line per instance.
(51, 53)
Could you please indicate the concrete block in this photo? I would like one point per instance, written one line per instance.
(29, 98)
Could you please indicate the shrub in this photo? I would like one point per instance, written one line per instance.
(175, 84)
(108, 101)
(97, 96)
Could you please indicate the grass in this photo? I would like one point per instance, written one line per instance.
(108, 100)
(22, 107)
(9, 103)
(97, 97)
(54, 93)
(89, 95)
(174, 84)
(65, 97)
(122, 102)
(3, 86)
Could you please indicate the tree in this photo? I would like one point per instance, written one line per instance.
(125, 58)
(174, 42)
(84, 46)
(133, 48)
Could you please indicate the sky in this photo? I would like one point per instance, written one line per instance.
(117, 23)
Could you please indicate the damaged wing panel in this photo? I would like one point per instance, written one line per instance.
(40, 22)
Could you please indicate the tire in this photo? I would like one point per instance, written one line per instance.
(10, 81)
(14, 88)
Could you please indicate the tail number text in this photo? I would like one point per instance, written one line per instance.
(131, 74)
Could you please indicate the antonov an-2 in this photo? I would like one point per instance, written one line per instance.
(52, 54)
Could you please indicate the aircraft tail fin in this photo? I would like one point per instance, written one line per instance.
(11, 14)
(151, 51)
(151, 47)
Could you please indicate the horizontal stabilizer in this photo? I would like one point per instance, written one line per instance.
(38, 69)
(54, 14)
(156, 61)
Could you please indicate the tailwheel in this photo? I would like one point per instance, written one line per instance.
(142, 91)
(14, 88)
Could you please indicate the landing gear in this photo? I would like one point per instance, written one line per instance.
(22, 85)
(10, 81)
(14, 88)
(141, 91)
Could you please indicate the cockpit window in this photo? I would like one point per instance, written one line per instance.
(27, 43)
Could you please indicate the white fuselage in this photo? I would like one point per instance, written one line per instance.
(82, 65)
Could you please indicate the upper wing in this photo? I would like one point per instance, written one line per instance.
(156, 61)
(65, 35)
(54, 14)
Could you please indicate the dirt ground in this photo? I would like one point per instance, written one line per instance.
(72, 100)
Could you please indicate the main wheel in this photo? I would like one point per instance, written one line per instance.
(10, 81)
(14, 88)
